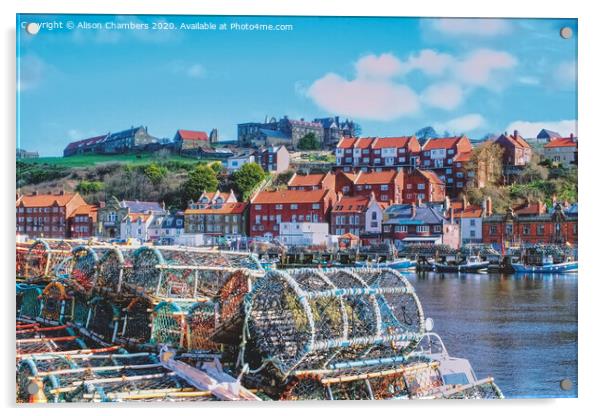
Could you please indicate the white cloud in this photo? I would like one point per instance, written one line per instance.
(480, 66)
(196, 71)
(31, 71)
(446, 96)
(530, 129)
(378, 67)
(471, 27)
(428, 61)
(463, 124)
(374, 99)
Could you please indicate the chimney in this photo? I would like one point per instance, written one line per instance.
(515, 133)
(413, 209)
(419, 202)
(464, 202)
(447, 204)
(339, 196)
(62, 192)
(488, 206)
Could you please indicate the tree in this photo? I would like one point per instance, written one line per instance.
(309, 142)
(246, 179)
(201, 179)
(425, 133)
(217, 167)
(88, 187)
(533, 171)
(486, 162)
(155, 173)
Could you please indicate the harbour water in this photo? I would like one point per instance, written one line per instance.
(520, 329)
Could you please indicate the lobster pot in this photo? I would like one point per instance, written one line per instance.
(114, 268)
(407, 381)
(80, 308)
(169, 326)
(200, 325)
(56, 303)
(311, 319)
(83, 270)
(43, 257)
(184, 273)
(103, 319)
(136, 323)
(21, 251)
(31, 303)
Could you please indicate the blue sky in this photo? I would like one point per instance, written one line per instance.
(392, 75)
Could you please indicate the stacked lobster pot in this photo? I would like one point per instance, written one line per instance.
(332, 334)
(37, 263)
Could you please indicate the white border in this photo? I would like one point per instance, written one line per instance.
(590, 34)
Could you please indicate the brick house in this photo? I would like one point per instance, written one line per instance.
(426, 224)
(82, 222)
(448, 158)
(562, 150)
(532, 223)
(267, 209)
(470, 218)
(359, 215)
(53, 215)
(377, 153)
(190, 140)
(517, 152)
(387, 185)
(312, 181)
(216, 214)
(274, 159)
(422, 186)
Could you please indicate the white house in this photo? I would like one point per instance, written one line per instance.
(165, 229)
(470, 219)
(234, 163)
(562, 150)
(303, 233)
(136, 225)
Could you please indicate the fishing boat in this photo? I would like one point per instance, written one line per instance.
(547, 266)
(398, 264)
(471, 264)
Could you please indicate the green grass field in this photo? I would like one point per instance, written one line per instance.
(91, 160)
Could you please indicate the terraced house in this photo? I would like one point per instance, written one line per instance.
(216, 214)
(448, 158)
(268, 209)
(377, 153)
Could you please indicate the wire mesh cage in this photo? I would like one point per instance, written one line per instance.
(136, 322)
(56, 303)
(103, 319)
(312, 319)
(200, 325)
(114, 267)
(42, 258)
(31, 302)
(179, 273)
(83, 269)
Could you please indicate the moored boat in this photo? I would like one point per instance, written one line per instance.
(398, 264)
(472, 264)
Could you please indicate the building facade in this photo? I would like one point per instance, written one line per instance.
(335, 129)
(532, 224)
(422, 224)
(312, 181)
(358, 215)
(377, 153)
(216, 214)
(268, 209)
(387, 186)
(306, 234)
(517, 152)
(166, 229)
(470, 219)
(274, 132)
(562, 150)
(448, 158)
(133, 139)
(422, 186)
(234, 163)
(274, 159)
(113, 212)
(53, 215)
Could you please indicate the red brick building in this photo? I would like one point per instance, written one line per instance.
(270, 208)
(448, 158)
(517, 152)
(377, 153)
(312, 181)
(359, 215)
(54, 215)
(387, 185)
(531, 224)
(423, 186)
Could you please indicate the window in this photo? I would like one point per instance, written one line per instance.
(460, 184)
(473, 233)
(258, 219)
(526, 229)
(257, 207)
(421, 196)
(315, 206)
(509, 229)
(409, 186)
(294, 206)
(422, 229)
(373, 215)
(540, 229)
(384, 197)
(437, 229)
(384, 187)
(401, 228)
(421, 186)
(473, 222)
(278, 206)
(492, 229)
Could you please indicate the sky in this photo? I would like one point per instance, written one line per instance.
(391, 75)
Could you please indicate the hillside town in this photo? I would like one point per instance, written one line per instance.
(370, 191)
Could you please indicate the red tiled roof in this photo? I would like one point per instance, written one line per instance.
(561, 142)
(346, 143)
(471, 211)
(463, 157)
(351, 204)
(443, 143)
(349, 236)
(364, 142)
(288, 196)
(45, 200)
(386, 142)
(312, 179)
(516, 140)
(225, 208)
(370, 178)
(193, 135)
(85, 142)
(133, 217)
(90, 210)
(533, 208)
(431, 176)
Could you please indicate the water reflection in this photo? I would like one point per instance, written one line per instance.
(520, 329)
